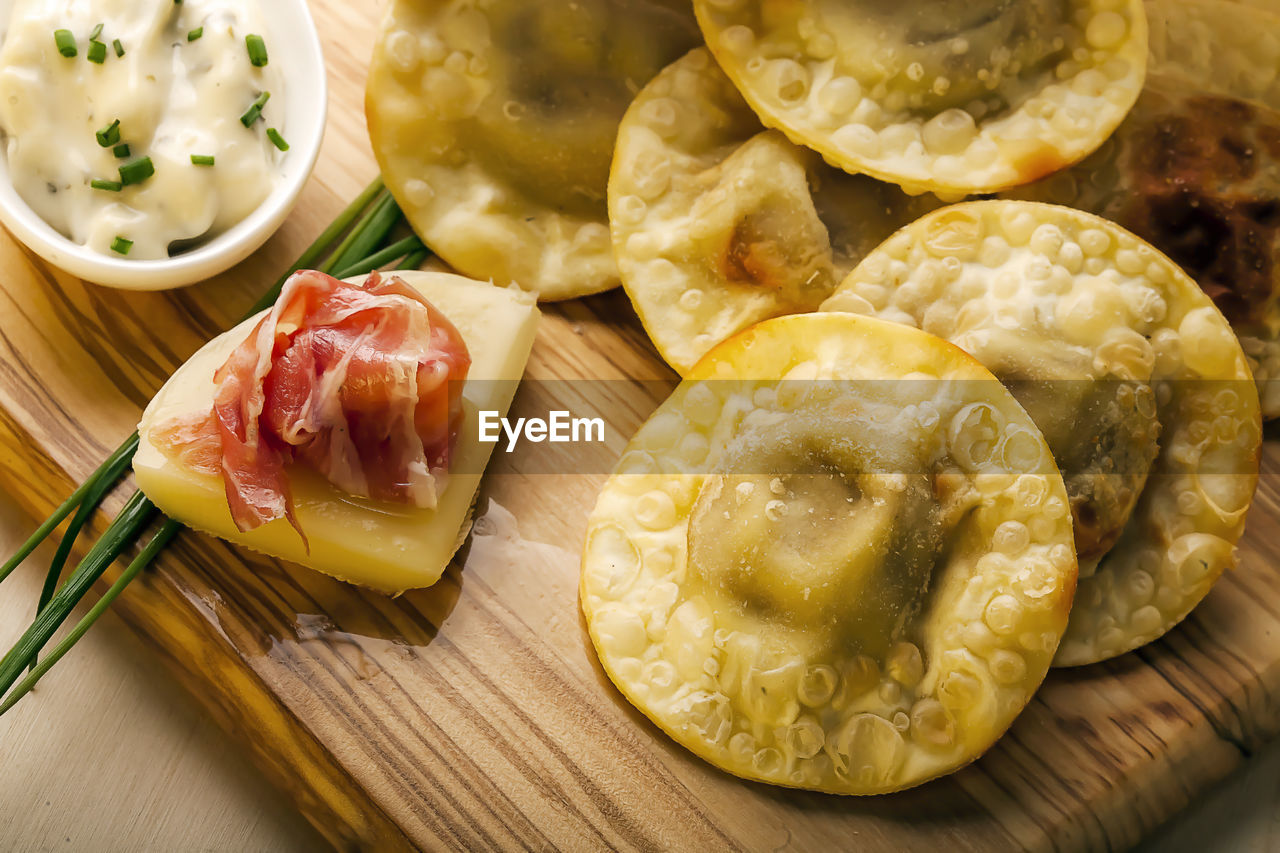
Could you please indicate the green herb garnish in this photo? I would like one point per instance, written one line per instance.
(121, 246)
(202, 159)
(195, 34)
(137, 171)
(255, 110)
(66, 42)
(97, 52)
(276, 139)
(409, 247)
(97, 31)
(109, 135)
(121, 151)
(109, 186)
(119, 48)
(257, 50)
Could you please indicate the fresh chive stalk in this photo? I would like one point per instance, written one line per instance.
(167, 531)
(255, 109)
(119, 48)
(359, 245)
(121, 151)
(115, 470)
(276, 139)
(257, 50)
(97, 31)
(366, 223)
(109, 186)
(124, 451)
(97, 52)
(202, 159)
(65, 41)
(414, 260)
(121, 245)
(195, 34)
(401, 249)
(109, 135)
(132, 519)
(137, 171)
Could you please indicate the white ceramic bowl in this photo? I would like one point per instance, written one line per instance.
(295, 45)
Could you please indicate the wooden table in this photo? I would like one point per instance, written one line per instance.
(473, 714)
(115, 756)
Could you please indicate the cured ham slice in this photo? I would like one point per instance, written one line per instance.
(382, 546)
(360, 382)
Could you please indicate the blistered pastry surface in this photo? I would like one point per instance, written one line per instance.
(493, 124)
(955, 96)
(1195, 166)
(718, 224)
(1134, 377)
(762, 573)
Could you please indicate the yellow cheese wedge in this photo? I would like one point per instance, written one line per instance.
(387, 547)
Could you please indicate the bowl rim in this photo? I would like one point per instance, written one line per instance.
(292, 36)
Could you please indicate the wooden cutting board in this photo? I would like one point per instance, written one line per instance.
(473, 715)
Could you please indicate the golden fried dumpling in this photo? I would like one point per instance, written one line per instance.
(1130, 372)
(958, 96)
(718, 223)
(838, 557)
(494, 123)
(1195, 167)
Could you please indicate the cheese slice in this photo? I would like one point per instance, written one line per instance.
(385, 546)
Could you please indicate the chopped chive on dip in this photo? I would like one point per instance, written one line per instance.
(119, 48)
(97, 31)
(255, 110)
(137, 171)
(257, 49)
(121, 246)
(195, 34)
(66, 42)
(121, 151)
(109, 186)
(97, 52)
(109, 135)
(202, 159)
(276, 139)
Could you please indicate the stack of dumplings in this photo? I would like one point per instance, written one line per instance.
(976, 310)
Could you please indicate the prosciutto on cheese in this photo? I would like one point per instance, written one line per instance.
(360, 382)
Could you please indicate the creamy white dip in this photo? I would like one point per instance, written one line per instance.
(179, 91)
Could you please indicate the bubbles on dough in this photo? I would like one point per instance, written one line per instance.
(808, 620)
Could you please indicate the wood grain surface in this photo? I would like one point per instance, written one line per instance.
(473, 715)
(114, 757)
